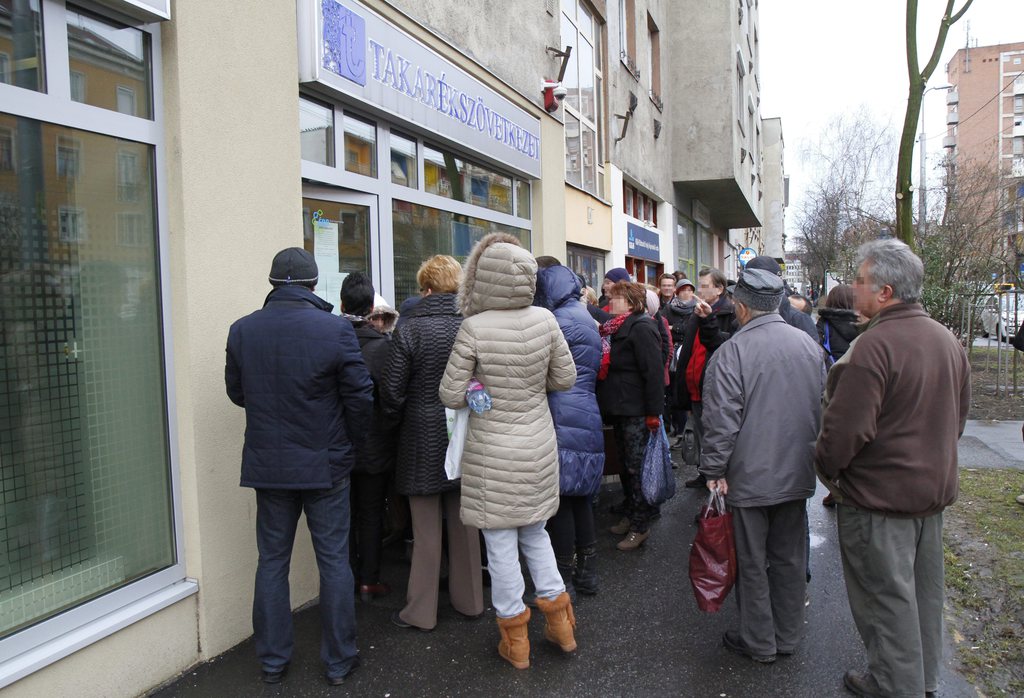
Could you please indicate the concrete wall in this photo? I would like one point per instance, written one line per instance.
(774, 201)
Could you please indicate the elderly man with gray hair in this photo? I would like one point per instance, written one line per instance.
(896, 404)
(762, 406)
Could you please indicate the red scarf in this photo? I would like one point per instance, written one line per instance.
(607, 329)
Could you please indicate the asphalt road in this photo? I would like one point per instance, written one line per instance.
(641, 636)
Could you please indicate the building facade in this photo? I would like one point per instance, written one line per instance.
(153, 159)
(985, 126)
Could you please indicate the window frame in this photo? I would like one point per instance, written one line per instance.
(58, 636)
(595, 123)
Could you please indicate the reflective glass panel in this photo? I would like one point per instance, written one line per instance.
(573, 162)
(350, 224)
(85, 496)
(316, 132)
(360, 146)
(110, 65)
(587, 263)
(421, 231)
(589, 160)
(455, 178)
(21, 45)
(403, 161)
(522, 199)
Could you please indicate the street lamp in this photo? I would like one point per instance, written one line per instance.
(922, 204)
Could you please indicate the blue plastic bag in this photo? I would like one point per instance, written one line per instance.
(657, 481)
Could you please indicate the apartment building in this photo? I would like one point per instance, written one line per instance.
(154, 157)
(985, 126)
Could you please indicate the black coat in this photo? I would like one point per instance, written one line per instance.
(842, 329)
(376, 453)
(797, 318)
(676, 313)
(419, 354)
(298, 372)
(713, 330)
(635, 385)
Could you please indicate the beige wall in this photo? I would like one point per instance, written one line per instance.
(548, 205)
(593, 229)
(231, 173)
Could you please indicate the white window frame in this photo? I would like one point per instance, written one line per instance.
(8, 135)
(129, 94)
(66, 145)
(131, 229)
(50, 640)
(80, 77)
(66, 232)
(595, 123)
(128, 188)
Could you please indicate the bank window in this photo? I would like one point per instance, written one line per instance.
(586, 262)
(422, 231)
(69, 157)
(360, 146)
(583, 81)
(7, 157)
(522, 199)
(128, 176)
(316, 132)
(21, 25)
(403, 161)
(453, 177)
(110, 53)
(638, 205)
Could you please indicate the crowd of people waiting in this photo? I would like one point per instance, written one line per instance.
(347, 421)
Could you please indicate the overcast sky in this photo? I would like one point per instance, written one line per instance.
(820, 58)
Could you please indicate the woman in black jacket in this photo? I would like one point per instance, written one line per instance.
(631, 394)
(419, 354)
(837, 322)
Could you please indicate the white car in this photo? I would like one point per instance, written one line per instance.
(1003, 314)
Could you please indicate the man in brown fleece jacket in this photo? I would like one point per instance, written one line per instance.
(896, 406)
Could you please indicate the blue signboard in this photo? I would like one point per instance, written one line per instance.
(643, 243)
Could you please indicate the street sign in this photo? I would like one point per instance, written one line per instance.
(747, 254)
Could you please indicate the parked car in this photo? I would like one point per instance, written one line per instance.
(1003, 314)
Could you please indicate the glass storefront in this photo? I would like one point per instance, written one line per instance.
(85, 488)
(21, 45)
(422, 231)
(686, 248)
(588, 263)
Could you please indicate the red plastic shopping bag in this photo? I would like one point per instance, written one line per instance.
(713, 555)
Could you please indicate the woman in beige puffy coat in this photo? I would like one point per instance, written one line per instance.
(510, 460)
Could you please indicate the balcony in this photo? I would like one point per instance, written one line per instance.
(952, 118)
(949, 142)
(952, 97)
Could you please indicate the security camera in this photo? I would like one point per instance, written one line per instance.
(560, 92)
(554, 92)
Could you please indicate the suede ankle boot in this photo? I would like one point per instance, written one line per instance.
(514, 646)
(585, 576)
(561, 621)
(565, 569)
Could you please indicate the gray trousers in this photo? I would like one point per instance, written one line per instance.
(771, 580)
(894, 579)
(507, 585)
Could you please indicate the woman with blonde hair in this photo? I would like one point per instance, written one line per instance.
(419, 353)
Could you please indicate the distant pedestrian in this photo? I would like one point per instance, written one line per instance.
(801, 303)
(298, 372)
(897, 403)
(408, 392)
(579, 432)
(762, 407)
(666, 289)
(510, 461)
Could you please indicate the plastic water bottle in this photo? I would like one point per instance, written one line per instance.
(477, 396)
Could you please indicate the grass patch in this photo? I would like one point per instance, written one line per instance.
(985, 579)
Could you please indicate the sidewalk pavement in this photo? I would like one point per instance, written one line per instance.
(642, 635)
(992, 444)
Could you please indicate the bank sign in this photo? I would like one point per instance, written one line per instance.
(350, 50)
(643, 243)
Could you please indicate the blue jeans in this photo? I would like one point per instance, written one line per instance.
(327, 515)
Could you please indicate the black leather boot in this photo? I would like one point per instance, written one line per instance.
(565, 569)
(585, 576)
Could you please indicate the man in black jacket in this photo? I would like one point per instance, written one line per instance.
(298, 372)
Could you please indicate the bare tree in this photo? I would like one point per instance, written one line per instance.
(915, 95)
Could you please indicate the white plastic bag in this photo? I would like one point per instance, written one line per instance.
(458, 423)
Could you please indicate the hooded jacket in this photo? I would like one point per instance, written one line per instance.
(840, 325)
(575, 413)
(408, 393)
(377, 449)
(510, 459)
(298, 372)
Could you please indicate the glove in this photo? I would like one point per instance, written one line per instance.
(653, 423)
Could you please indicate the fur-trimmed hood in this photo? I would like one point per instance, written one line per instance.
(498, 275)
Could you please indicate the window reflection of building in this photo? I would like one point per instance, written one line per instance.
(113, 62)
(7, 157)
(456, 178)
(71, 224)
(68, 157)
(586, 262)
(360, 146)
(127, 176)
(584, 166)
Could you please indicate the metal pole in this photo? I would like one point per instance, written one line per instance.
(922, 202)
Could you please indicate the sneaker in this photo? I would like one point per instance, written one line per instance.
(732, 642)
(621, 528)
(633, 541)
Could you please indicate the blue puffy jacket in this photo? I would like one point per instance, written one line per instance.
(298, 372)
(575, 412)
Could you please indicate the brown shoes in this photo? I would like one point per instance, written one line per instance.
(621, 528)
(561, 621)
(633, 541)
(514, 646)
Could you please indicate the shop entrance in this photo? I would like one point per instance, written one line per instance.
(644, 271)
(340, 227)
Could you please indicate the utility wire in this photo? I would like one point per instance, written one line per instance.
(976, 111)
